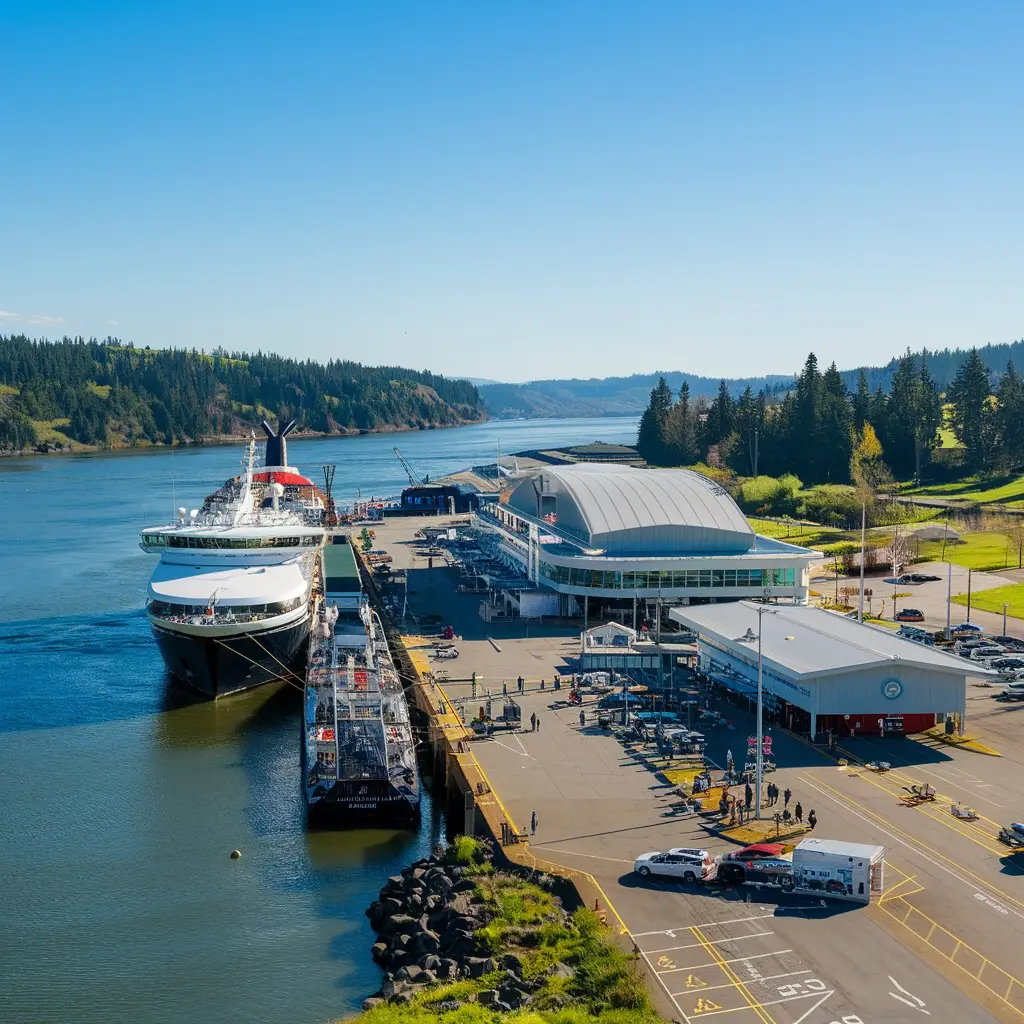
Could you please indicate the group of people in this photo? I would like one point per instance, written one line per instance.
(772, 792)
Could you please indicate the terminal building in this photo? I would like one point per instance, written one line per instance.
(825, 672)
(608, 538)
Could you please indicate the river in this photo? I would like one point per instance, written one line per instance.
(123, 798)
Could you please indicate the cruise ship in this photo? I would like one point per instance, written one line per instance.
(229, 601)
(359, 760)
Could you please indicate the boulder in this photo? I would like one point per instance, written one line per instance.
(431, 962)
(398, 923)
(561, 970)
(428, 977)
(391, 905)
(375, 909)
(414, 974)
(462, 904)
(449, 968)
(431, 903)
(488, 997)
(477, 966)
(393, 987)
(426, 942)
(512, 963)
(379, 951)
(371, 1002)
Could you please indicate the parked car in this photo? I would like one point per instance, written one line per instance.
(909, 615)
(1009, 664)
(966, 627)
(689, 864)
(1015, 691)
(987, 653)
(923, 577)
(763, 863)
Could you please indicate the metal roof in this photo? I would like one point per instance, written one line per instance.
(241, 585)
(805, 641)
(838, 848)
(624, 508)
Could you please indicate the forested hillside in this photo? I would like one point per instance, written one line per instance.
(815, 430)
(109, 393)
(610, 396)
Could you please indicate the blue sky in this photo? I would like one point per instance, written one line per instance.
(516, 191)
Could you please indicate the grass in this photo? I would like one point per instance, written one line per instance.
(48, 432)
(994, 599)
(101, 390)
(985, 550)
(606, 987)
(797, 533)
(974, 490)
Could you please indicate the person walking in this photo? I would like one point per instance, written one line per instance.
(504, 688)
(533, 722)
(799, 811)
(583, 719)
(538, 723)
(748, 796)
(771, 794)
(812, 819)
(786, 797)
(533, 823)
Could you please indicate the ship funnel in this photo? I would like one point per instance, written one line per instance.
(277, 450)
(192, 515)
(276, 492)
(182, 513)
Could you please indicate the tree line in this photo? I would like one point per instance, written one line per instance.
(104, 392)
(814, 429)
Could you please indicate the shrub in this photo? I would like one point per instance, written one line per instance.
(466, 850)
(831, 505)
(769, 495)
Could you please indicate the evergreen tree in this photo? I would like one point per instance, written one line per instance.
(721, 416)
(861, 403)
(681, 431)
(1010, 418)
(651, 433)
(927, 417)
(802, 412)
(972, 413)
(900, 424)
(750, 417)
(835, 437)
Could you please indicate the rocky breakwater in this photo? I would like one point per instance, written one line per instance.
(428, 919)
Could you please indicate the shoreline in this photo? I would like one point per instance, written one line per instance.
(221, 439)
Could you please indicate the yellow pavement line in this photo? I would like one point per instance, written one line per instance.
(916, 844)
(994, 971)
(947, 821)
(765, 1016)
(890, 893)
(900, 773)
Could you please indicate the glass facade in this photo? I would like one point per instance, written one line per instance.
(668, 579)
(232, 613)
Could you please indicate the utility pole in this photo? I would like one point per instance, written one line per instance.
(969, 595)
(863, 538)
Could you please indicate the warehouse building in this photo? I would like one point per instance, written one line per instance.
(823, 671)
(608, 538)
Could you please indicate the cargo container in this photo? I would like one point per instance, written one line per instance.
(829, 867)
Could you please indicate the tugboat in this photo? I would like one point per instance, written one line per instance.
(359, 760)
(229, 600)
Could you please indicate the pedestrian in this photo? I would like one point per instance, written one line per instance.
(538, 723)
(520, 682)
(812, 819)
(542, 684)
(533, 722)
(786, 797)
(775, 794)
(768, 793)
(748, 796)
(504, 688)
(799, 811)
(583, 719)
(533, 823)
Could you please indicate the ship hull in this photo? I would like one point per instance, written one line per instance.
(217, 667)
(356, 804)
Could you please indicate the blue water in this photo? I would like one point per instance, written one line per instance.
(122, 798)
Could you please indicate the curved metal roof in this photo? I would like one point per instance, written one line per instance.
(628, 509)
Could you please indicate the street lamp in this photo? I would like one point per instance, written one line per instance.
(1005, 606)
(747, 638)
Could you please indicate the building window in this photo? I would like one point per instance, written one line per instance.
(730, 577)
(705, 577)
(718, 577)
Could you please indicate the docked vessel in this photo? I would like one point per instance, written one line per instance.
(230, 600)
(359, 757)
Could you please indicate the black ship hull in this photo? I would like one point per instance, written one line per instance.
(234, 663)
(356, 804)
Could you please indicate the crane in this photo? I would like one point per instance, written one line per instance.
(414, 480)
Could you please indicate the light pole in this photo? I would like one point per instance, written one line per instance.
(1005, 606)
(863, 538)
(759, 757)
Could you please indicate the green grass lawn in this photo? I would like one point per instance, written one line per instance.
(987, 551)
(794, 533)
(993, 600)
(1003, 490)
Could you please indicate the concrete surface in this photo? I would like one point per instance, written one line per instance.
(947, 938)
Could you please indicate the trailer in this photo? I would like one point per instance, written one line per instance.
(829, 867)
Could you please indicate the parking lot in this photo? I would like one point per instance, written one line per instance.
(945, 940)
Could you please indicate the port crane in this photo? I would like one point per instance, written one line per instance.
(414, 480)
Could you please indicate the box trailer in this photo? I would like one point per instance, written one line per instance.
(829, 867)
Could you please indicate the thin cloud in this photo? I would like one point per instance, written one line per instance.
(35, 319)
(112, 323)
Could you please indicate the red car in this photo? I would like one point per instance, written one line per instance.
(909, 615)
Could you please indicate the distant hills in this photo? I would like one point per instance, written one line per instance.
(621, 396)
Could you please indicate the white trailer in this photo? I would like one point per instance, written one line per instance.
(829, 867)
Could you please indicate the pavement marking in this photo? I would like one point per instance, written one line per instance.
(876, 820)
(769, 977)
(708, 924)
(1003, 985)
(774, 1002)
(914, 1002)
(512, 750)
(720, 961)
(714, 942)
(574, 853)
(946, 820)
